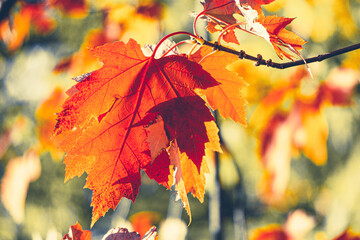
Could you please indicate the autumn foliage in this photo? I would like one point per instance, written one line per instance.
(139, 108)
(100, 125)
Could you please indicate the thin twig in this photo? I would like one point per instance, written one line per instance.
(259, 61)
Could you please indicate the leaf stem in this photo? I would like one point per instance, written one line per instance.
(227, 29)
(195, 21)
(171, 48)
(170, 35)
(260, 61)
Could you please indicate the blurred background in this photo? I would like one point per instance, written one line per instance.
(292, 173)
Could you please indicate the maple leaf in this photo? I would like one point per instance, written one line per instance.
(270, 232)
(46, 121)
(29, 15)
(220, 14)
(315, 127)
(186, 150)
(187, 178)
(157, 138)
(302, 126)
(272, 28)
(143, 221)
(112, 151)
(76, 232)
(279, 36)
(298, 224)
(226, 97)
(184, 121)
(221, 11)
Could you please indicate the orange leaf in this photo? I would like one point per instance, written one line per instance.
(46, 120)
(316, 131)
(29, 14)
(187, 178)
(220, 14)
(97, 125)
(194, 181)
(298, 224)
(279, 36)
(184, 120)
(271, 232)
(157, 138)
(226, 97)
(142, 221)
(271, 28)
(77, 233)
(175, 160)
(213, 134)
(300, 126)
(188, 126)
(14, 36)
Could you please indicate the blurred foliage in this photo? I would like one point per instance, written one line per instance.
(326, 195)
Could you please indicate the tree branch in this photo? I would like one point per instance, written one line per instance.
(260, 61)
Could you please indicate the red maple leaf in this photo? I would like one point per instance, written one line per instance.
(184, 127)
(279, 36)
(272, 28)
(77, 233)
(118, 233)
(269, 233)
(96, 127)
(226, 97)
(13, 33)
(221, 11)
(184, 120)
(220, 14)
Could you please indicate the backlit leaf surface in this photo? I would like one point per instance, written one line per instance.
(220, 14)
(226, 97)
(96, 127)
